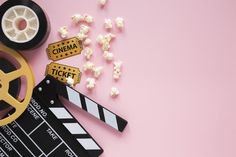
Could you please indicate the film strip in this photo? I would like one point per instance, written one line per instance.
(24, 25)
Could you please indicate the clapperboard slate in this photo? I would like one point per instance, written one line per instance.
(47, 128)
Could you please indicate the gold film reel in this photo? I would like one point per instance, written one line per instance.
(6, 78)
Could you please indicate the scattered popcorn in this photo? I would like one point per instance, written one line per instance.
(88, 66)
(87, 42)
(103, 2)
(70, 81)
(81, 36)
(102, 39)
(119, 22)
(63, 32)
(108, 24)
(117, 70)
(77, 18)
(84, 29)
(108, 56)
(88, 52)
(90, 83)
(114, 92)
(88, 19)
(97, 71)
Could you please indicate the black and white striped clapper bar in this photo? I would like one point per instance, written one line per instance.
(49, 91)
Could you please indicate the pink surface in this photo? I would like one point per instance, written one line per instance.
(179, 82)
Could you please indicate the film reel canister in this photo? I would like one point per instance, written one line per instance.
(6, 78)
(24, 25)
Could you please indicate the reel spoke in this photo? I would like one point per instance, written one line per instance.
(15, 74)
(12, 101)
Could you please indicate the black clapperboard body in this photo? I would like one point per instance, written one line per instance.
(47, 128)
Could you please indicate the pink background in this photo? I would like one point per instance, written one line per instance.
(179, 82)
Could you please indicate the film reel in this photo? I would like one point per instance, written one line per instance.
(6, 78)
(24, 25)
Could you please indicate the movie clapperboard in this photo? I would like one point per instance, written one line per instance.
(47, 128)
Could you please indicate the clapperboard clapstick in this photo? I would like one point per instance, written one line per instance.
(52, 89)
(49, 91)
(47, 128)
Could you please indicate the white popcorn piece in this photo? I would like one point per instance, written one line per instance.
(116, 77)
(108, 56)
(109, 37)
(100, 39)
(90, 83)
(77, 18)
(88, 18)
(119, 22)
(97, 71)
(106, 46)
(116, 74)
(88, 66)
(87, 42)
(103, 2)
(88, 52)
(81, 36)
(117, 70)
(108, 24)
(63, 32)
(70, 81)
(114, 92)
(84, 29)
(117, 65)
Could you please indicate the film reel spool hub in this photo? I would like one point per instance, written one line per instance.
(24, 25)
(6, 78)
(20, 24)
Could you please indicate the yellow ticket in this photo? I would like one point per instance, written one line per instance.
(64, 49)
(61, 72)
